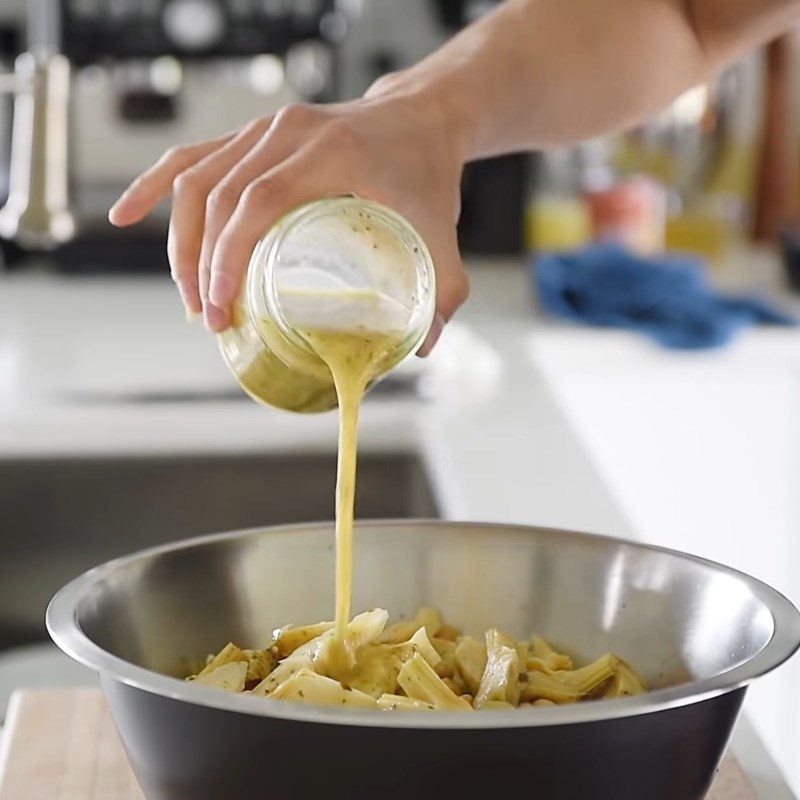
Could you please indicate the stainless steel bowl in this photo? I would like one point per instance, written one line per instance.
(698, 631)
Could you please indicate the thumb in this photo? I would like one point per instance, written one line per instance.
(452, 287)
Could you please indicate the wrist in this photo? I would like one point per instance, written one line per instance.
(433, 98)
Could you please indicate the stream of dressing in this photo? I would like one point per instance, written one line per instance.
(353, 357)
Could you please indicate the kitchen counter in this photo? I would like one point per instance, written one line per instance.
(93, 366)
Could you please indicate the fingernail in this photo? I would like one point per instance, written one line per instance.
(190, 301)
(221, 290)
(113, 212)
(216, 318)
(435, 331)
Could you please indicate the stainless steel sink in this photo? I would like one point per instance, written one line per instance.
(61, 517)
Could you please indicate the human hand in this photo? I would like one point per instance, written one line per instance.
(389, 146)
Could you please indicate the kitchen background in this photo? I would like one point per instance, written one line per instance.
(119, 427)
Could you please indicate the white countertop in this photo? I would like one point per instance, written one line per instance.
(495, 439)
(73, 350)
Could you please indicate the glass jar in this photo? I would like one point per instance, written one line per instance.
(341, 264)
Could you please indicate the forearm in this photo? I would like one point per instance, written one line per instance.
(548, 72)
(531, 74)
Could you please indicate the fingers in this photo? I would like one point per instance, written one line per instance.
(434, 332)
(452, 284)
(190, 193)
(305, 176)
(274, 146)
(152, 186)
(229, 191)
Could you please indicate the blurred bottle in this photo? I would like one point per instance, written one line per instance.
(701, 150)
(709, 226)
(581, 197)
(681, 181)
(630, 212)
(557, 218)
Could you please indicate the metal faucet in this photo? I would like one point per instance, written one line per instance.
(37, 214)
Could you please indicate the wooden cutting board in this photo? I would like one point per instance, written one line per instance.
(61, 744)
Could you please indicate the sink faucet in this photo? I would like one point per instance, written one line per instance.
(37, 214)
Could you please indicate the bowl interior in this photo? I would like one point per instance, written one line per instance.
(673, 617)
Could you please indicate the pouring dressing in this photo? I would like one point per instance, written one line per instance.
(337, 294)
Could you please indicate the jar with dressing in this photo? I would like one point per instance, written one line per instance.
(340, 273)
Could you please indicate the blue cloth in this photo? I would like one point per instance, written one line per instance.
(666, 298)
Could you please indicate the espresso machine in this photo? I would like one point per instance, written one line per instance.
(104, 87)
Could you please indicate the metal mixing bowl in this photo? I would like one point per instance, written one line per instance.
(698, 632)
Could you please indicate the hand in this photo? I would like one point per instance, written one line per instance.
(227, 192)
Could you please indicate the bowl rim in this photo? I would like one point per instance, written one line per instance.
(66, 632)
